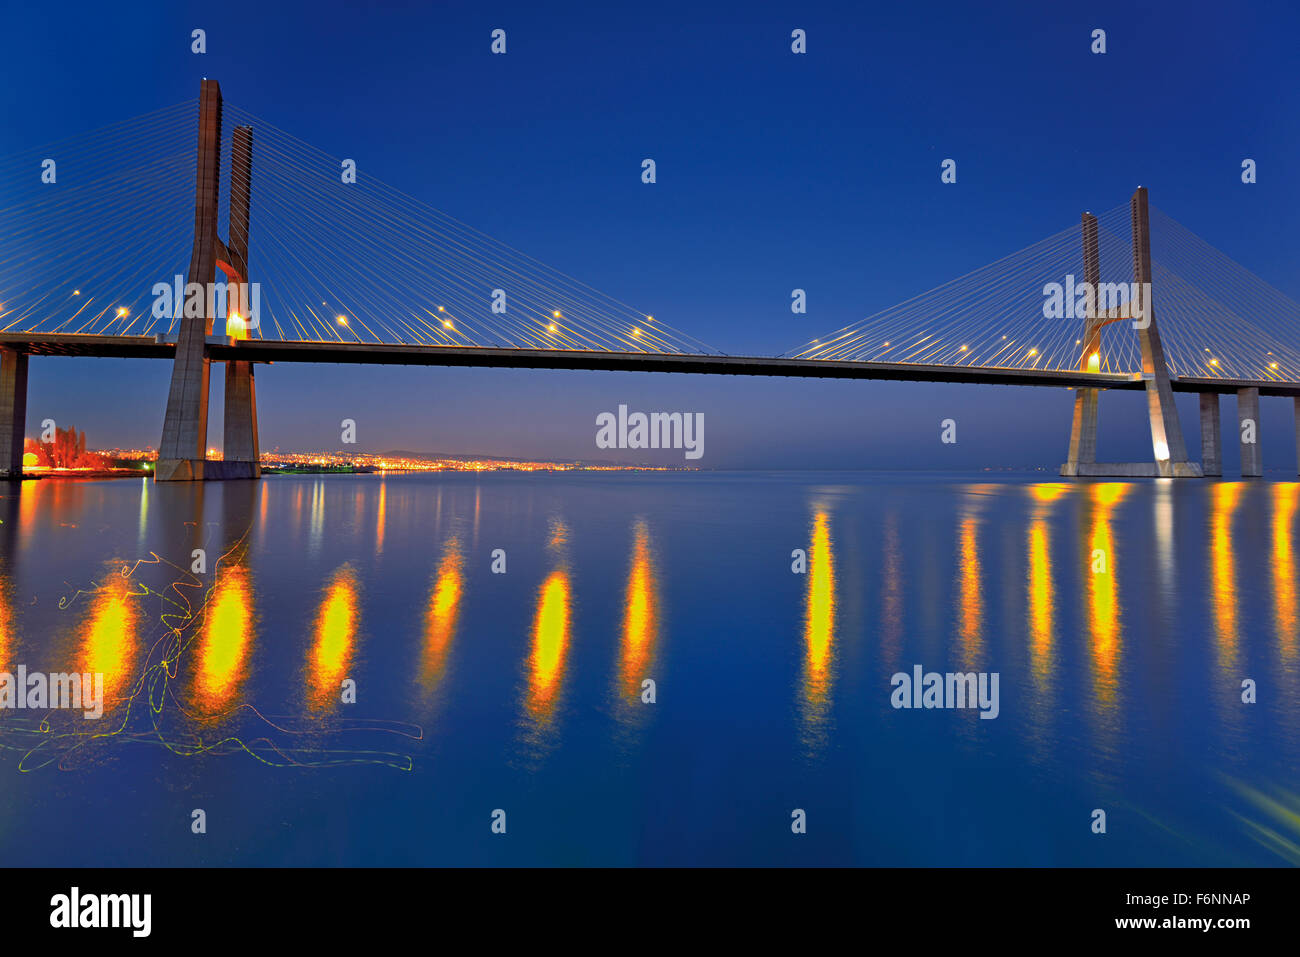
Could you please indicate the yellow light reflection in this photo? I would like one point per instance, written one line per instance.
(1286, 496)
(1223, 571)
(109, 644)
(1103, 593)
(1041, 603)
(640, 617)
(335, 638)
(970, 615)
(226, 641)
(1041, 611)
(379, 520)
(550, 645)
(819, 632)
(441, 616)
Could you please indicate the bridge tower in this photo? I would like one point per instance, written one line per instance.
(182, 453)
(1169, 451)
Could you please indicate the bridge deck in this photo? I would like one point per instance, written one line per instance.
(267, 350)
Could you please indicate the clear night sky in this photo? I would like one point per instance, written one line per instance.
(775, 171)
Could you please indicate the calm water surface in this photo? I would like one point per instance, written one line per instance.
(1122, 619)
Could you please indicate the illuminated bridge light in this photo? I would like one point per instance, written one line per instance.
(551, 327)
(636, 332)
(76, 292)
(556, 314)
(122, 311)
(963, 349)
(1214, 362)
(343, 320)
(447, 323)
(441, 309)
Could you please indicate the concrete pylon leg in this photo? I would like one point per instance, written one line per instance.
(1211, 441)
(1166, 432)
(13, 412)
(1297, 433)
(182, 453)
(242, 456)
(1083, 429)
(1252, 458)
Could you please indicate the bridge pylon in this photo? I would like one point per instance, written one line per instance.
(1169, 451)
(182, 452)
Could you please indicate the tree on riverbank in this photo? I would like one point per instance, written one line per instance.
(67, 451)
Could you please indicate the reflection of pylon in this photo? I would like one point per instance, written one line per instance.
(1169, 450)
(183, 450)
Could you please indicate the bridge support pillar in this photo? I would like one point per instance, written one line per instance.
(242, 457)
(1083, 430)
(182, 453)
(1211, 442)
(13, 412)
(1166, 431)
(1167, 445)
(1252, 458)
(1297, 433)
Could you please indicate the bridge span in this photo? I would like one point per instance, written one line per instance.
(988, 327)
(15, 348)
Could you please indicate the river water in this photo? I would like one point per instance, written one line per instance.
(331, 671)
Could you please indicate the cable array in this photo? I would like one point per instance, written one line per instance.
(997, 315)
(360, 261)
(81, 253)
(333, 261)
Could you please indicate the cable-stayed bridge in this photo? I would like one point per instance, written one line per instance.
(337, 270)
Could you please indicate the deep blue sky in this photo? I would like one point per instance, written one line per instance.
(775, 171)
